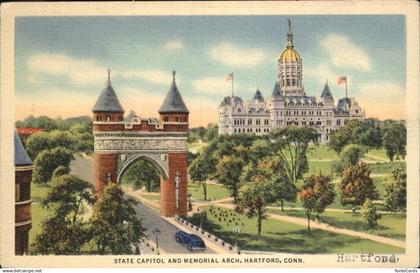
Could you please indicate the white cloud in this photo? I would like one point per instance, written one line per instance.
(150, 75)
(174, 45)
(78, 70)
(321, 73)
(232, 55)
(213, 85)
(382, 100)
(344, 53)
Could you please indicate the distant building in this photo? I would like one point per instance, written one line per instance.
(288, 105)
(23, 177)
(25, 132)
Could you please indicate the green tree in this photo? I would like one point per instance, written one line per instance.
(39, 142)
(370, 214)
(256, 195)
(357, 185)
(64, 232)
(396, 190)
(228, 172)
(324, 191)
(47, 161)
(395, 140)
(308, 198)
(350, 155)
(199, 171)
(115, 226)
(365, 133)
(303, 162)
(340, 138)
(210, 133)
(142, 173)
(290, 143)
(271, 168)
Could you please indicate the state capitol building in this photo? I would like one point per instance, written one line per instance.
(288, 104)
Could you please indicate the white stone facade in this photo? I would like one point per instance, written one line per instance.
(288, 105)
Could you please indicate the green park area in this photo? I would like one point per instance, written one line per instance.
(279, 236)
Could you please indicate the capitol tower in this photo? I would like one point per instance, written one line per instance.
(288, 105)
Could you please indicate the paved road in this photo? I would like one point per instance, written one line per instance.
(152, 220)
(82, 167)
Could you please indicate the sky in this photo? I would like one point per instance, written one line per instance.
(61, 62)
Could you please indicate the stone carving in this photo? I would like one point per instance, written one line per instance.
(138, 144)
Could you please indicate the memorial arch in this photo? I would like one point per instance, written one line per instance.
(119, 141)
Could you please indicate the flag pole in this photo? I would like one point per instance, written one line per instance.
(346, 88)
(232, 85)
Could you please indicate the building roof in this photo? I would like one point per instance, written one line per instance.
(131, 116)
(21, 156)
(326, 93)
(108, 100)
(344, 104)
(277, 91)
(28, 130)
(228, 100)
(173, 102)
(289, 54)
(258, 96)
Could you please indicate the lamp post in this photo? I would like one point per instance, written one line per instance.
(177, 181)
(157, 232)
(236, 230)
(189, 202)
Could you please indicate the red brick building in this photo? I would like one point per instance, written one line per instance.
(118, 142)
(23, 177)
(25, 132)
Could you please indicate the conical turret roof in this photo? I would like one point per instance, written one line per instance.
(108, 100)
(258, 96)
(326, 93)
(21, 156)
(277, 91)
(173, 102)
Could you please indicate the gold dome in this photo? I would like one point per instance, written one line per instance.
(289, 55)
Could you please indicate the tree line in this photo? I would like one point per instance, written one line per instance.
(372, 134)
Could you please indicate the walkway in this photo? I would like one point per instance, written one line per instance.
(326, 227)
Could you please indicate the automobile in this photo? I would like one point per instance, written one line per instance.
(191, 241)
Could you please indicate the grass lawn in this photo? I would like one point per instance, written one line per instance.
(321, 152)
(151, 197)
(214, 192)
(379, 185)
(280, 236)
(38, 191)
(39, 214)
(385, 168)
(321, 166)
(390, 225)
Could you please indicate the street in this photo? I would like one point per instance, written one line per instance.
(82, 167)
(151, 220)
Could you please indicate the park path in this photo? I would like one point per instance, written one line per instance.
(326, 227)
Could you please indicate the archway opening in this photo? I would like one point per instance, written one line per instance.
(141, 175)
(141, 179)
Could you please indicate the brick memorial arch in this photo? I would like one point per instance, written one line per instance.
(119, 141)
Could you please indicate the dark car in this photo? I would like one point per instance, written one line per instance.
(191, 241)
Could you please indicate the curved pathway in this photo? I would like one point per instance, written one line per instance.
(326, 227)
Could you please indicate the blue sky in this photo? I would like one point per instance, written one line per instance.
(61, 62)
